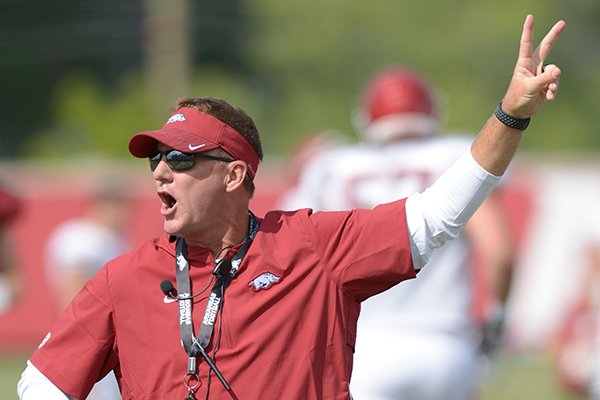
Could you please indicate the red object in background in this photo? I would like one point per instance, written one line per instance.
(397, 90)
(9, 206)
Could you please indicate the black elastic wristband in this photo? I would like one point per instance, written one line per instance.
(511, 122)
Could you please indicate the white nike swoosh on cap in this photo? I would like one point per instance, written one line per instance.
(168, 300)
(193, 148)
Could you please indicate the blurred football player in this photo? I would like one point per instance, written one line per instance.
(419, 340)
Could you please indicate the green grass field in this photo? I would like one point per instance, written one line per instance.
(10, 371)
(517, 378)
(525, 377)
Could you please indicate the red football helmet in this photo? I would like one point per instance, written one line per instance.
(397, 102)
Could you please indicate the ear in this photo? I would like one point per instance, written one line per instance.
(236, 172)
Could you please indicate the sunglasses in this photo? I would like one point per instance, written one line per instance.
(178, 161)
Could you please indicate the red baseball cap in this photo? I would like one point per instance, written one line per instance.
(193, 131)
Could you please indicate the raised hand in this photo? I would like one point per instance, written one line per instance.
(533, 82)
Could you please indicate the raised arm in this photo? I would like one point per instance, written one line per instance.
(531, 85)
(440, 212)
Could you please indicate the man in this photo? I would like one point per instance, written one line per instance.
(420, 340)
(280, 319)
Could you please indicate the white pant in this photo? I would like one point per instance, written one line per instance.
(415, 366)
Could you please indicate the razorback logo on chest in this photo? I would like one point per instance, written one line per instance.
(263, 281)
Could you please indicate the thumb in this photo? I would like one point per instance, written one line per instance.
(550, 74)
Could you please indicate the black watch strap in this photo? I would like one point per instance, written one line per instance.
(511, 122)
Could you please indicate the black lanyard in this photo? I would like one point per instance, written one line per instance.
(196, 346)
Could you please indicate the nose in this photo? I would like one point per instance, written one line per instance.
(162, 171)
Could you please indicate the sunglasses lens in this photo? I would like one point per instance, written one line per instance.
(154, 161)
(179, 161)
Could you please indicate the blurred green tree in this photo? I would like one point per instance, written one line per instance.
(298, 68)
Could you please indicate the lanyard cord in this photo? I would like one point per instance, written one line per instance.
(196, 346)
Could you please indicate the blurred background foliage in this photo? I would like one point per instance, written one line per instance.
(78, 77)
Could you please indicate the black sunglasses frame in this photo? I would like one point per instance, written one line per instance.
(183, 161)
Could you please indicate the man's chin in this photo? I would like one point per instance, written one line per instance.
(171, 229)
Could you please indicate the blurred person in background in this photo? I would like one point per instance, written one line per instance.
(593, 321)
(419, 340)
(10, 278)
(577, 346)
(77, 248)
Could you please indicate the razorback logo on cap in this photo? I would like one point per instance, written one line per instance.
(176, 118)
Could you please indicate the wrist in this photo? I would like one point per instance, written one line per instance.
(509, 120)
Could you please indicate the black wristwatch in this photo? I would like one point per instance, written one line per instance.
(511, 122)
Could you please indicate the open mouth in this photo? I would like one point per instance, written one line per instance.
(167, 200)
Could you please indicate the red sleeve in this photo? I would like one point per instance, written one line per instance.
(79, 349)
(366, 251)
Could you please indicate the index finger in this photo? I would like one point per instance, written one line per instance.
(525, 49)
(526, 46)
